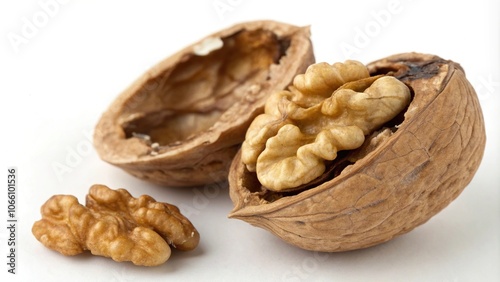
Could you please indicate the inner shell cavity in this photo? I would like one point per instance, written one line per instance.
(191, 96)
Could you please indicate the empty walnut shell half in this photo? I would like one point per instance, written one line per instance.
(417, 167)
(181, 123)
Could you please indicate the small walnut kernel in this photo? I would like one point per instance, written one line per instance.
(330, 108)
(115, 224)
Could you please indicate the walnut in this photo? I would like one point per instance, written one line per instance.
(182, 122)
(114, 224)
(287, 145)
(405, 172)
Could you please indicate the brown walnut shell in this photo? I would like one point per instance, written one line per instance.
(419, 167)
(181, 123)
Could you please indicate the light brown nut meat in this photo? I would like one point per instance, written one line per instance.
(308, 90)
(402, 175)
(182, 122)
(115, 224)
(305, 127)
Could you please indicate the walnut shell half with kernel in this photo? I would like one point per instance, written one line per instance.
(403, 175)
(182, 122)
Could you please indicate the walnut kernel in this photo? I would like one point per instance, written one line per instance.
(115, 224)
(303, 127)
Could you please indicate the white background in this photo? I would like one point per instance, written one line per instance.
(55, 83)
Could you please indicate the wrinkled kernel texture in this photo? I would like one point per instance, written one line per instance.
(328, 109)
(114, 224)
